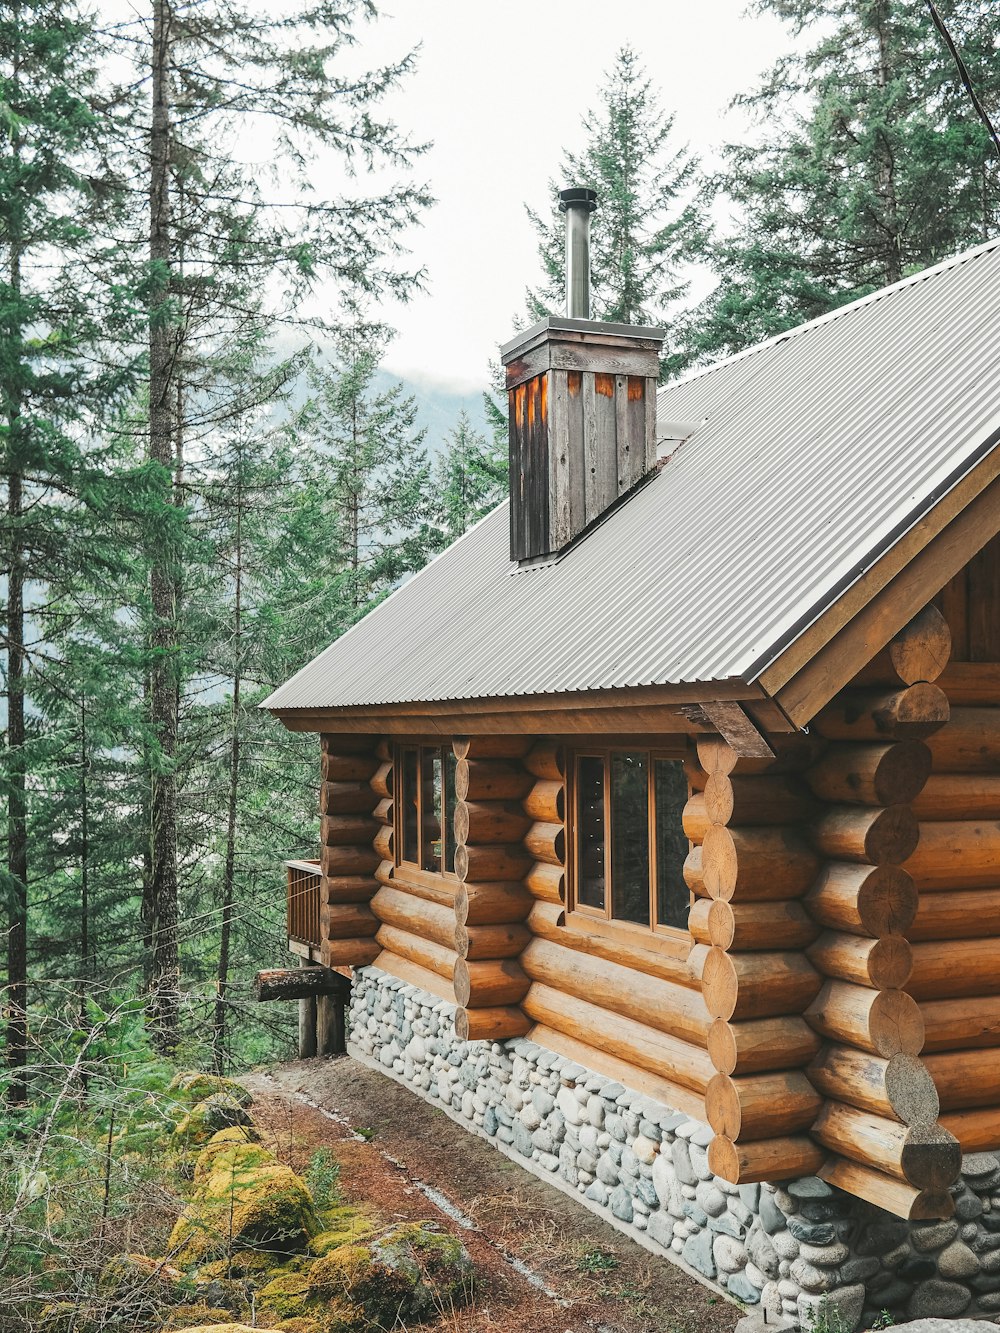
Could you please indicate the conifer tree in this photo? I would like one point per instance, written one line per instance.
(872, 164)
(470, 477)
(645, 226)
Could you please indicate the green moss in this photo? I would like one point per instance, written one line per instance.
(137, 1274)
(285, 1296)
(343, 1225)
(229, 1149)
(231, 1328)
(190, 1316)
(245, 1204)
(194, 1085)
(218, 1111)
(350, 1273)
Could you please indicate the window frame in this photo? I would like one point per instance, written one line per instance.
(443, 751)
(603, 918)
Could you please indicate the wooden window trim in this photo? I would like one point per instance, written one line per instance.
(415, 871)
(597, 920)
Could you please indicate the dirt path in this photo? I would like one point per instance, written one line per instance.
(548, 1265)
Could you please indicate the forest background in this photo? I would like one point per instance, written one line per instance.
(206, 482)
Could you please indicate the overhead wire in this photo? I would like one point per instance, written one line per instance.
(964, 75)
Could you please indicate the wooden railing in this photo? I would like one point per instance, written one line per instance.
(303, 902)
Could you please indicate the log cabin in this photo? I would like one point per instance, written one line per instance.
(660, 814)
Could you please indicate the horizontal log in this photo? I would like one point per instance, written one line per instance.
(885, 1022)
(976, 1131)
(947, 969)
(874, 836)
(863, 900)
(431, 921)
(346, 798)
(299, 983)
(382, 780)
(761, 1106)
(918, 653)
(750, 926)
(548, 921)
(383, 749)
(757, 985)
(883, 964)
(348, 921)
(612, 1066)
(344, 742)
(484, 864)
(494, 941)
(415, 949)
(669, 1057)
(671, 1008)
(490, 747)
(491, 780)
(338, 862)
(970, 743)
(752, 801)
(349, 953)
(347, 830)
(971, 683)
(546, 843)
(491, 903)
(961, 1024)
(966, 1079)
(547, 883)
(899, 1087)
(765, 1159)
(886, 1192)
(546, 802)
(752, 865)
(547, 760)
(968, 914)
(488, 985)
(928, 1158)
(874, 774)
(792, 754)
(958, 796)
(500, 1024)
(414, 975)
(347, 767)
(759, 1045)
(956, 855)
(490, 822)
(348, 888)
(431, 888)
(384, 842)
(914, 713)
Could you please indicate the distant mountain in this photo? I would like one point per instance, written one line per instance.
(438, 407)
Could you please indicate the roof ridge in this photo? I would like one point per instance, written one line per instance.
(870, 298)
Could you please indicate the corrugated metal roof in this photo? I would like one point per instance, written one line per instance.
(816, 450)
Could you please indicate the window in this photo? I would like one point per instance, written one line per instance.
(425, 824)
(629, 845)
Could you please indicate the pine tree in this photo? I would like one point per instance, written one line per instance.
(54, 388)
(873, 164)
(470, 478)
(645, 226)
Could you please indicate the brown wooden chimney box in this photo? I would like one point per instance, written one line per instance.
(582, 406)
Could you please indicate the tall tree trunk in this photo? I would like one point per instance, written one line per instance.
(161, 891)
(229, 868)
(86, 967)
(886, 162)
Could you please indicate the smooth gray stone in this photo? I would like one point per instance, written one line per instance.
(772, 1219)
(937, 1299)
(944, 1326)
(957, 1261)
(727, 1225)
(698, 1253)
(740, 1286)
(750, 1194)
(490, 1122)
(621, 1204)
(813, 1233)
(597, 1192)
(931, 1236)
(681, 1157)
(809, 1187)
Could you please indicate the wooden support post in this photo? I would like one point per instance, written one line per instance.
(331, 1027)
(307, 1027)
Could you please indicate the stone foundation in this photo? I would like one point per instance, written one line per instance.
(787, 1248)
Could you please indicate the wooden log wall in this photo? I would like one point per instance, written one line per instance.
(880, 1118)
(491, 903)
(347, 857)
(749, 867)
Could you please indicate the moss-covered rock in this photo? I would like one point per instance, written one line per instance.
(228, 1148)
(245, 1204)
(191, 1316)
(194, 1085)
(218, 1111)
(285, 1296)
(343, 1225)
(128, 1275)
(229, 1328)
(410, 1273)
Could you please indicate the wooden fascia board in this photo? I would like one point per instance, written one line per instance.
(798, 657)
(893, 600)
(647, 709)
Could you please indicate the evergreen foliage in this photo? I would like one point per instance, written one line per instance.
(872, 164)
(470, 477)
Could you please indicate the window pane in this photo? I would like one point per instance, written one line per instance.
(590, 832)
(449, 808)
(670, 796)
(409, 848)
(630, 837)
(430, 765)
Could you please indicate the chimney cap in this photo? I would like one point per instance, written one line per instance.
(577, 197)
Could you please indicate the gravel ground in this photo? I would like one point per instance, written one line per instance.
(547, 1264)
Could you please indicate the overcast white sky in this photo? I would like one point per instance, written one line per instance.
(500, 89)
